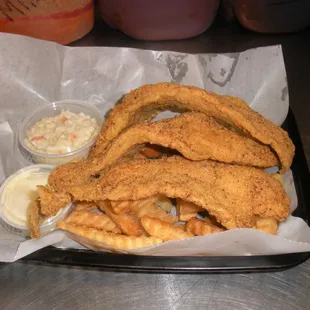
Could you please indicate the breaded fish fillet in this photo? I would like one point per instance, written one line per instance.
(234, 195)
(144, 103)
(50, 201)
(195, 135)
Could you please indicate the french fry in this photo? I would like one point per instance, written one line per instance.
(151, 152)
(142, 208)
(126, 222)
(115, 240)
(125, 206)
(163, 230)
(163, 202)
(85, 206)
(278, 177)
(201, 227)
(187, 210)
(92, 220)
(121, 206)
(267, 224)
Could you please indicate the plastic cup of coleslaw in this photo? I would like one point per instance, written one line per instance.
(16, 194)
(59, 132)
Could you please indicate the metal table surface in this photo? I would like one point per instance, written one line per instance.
(31, 286)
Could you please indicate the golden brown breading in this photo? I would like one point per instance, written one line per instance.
(144, 103)
(233, 194)
(34, 219)
(196, 136)
(85, 171)
(51, 201)
(74, 173)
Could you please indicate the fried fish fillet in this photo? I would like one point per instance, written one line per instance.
(195, 135)
(234, 195)
(51, 201)
(144, 103)
(73, 173)
(34, 217)
(84, 171)
(47, 204)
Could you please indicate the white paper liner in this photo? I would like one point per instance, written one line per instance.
(48, 72)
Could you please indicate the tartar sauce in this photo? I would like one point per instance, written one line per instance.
(61, 134)
(18, 192)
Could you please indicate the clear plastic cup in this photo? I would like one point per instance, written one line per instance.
(52, 110)
(6, 221)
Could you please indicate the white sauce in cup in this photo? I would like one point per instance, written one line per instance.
(61, 134)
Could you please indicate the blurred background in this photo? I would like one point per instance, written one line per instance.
(65, 21)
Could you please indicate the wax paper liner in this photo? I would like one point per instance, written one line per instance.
(35, 72)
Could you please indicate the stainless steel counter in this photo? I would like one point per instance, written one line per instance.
(30, 286)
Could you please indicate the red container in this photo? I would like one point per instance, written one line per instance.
(59, 21)
(160, 19)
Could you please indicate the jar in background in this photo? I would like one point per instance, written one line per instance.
(160, 19)
(53, 20)
(272, 16)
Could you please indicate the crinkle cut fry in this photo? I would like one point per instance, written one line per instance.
(233, 194)
(165, 231)
(115, 240)
(144, 103)
(128, 223)
(92, 220)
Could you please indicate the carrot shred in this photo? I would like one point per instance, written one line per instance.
(63, 119)
(38, 138)
(73, 137)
